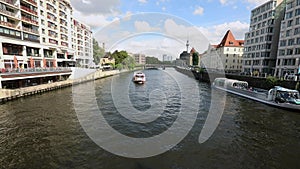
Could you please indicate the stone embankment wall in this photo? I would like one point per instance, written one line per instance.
(8, 94)
(257, 82)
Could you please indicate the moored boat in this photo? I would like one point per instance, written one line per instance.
(139, 77)
(278, 96)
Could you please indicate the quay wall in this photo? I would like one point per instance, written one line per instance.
(257, 82)
(11, 94)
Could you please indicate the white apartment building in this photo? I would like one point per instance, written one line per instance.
(82, 43)
(289, 41)
(261, 42)
(40, 31)
(139, 59)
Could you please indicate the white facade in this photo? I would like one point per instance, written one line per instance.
(231, 58)
(41, 30)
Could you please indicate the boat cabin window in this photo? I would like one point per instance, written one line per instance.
(286, 95)
(240, 85)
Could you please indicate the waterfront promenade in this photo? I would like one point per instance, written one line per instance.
(10, 94)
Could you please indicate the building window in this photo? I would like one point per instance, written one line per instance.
(44, 39)
(291, 42)
(289, 5)
(288, 32)
(283, 43)
(289, 15)
(289, 52)
(281, 52)
(290, 23)
(12, 49)
(297, 12)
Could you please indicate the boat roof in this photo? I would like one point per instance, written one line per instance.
(279, 88)
(231, 81)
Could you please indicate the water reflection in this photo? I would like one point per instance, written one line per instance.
(43, 131)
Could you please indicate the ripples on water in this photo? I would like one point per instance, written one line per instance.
(43, 131)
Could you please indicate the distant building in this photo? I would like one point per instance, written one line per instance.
(139, 59)
(228, 52)
(82, 43)
(106, 62)
(231, 51)
(185, 56)
(261, 42)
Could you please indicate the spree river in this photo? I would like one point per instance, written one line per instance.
(44, 131)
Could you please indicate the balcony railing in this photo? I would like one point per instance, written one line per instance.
(29, 10)
(30, 30)
(53, 36)
(37, 69)
(7, 12)
(9, 2)
(8, 24)
(31, 1)
(29, 20)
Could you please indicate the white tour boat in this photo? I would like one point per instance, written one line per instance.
(278, 96)
(139, 77)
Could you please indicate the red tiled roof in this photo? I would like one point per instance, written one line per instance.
(193, 50)
(229, 41)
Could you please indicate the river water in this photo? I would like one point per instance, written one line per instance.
(44, 131)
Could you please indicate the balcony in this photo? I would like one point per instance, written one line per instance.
(7, 13)
(51, 18)
(31, 2)
(11, 2)
(30, 30)
(7, 24)
(29, 10)
(29, 20)
(64, 44)
(53, 10)
(52, 35)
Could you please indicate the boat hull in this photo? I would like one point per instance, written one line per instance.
(258, 97)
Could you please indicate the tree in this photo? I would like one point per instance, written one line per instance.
(119, 56)
(152, 60)
(98, 52)
(129, 63)
(195, 58)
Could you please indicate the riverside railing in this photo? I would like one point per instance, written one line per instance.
(34, 70)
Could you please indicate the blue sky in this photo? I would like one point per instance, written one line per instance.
(176, 19)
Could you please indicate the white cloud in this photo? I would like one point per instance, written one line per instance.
(256, 2)
(199, 10)
(143, 26)
(88, 7)
(95, 21)
(143, 1)
(163, 8)
(223, 2)
(216, 33)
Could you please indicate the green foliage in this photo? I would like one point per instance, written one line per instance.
(129, 63)
(195, 58)
(119, 56)
(119, 66)
(152, 60)
(272, 81)
(98, 52)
